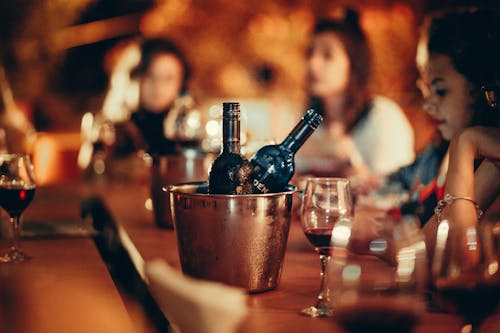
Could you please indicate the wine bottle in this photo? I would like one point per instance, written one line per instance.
(273, 166)
(230, 170)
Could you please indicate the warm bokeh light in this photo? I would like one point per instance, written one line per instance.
(234, 49)
(54, 157)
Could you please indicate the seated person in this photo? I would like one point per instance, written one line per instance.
(458, 60)
(361, 134)
(163, 74)
(463, 180)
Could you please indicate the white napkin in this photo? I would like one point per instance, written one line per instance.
(192, 305)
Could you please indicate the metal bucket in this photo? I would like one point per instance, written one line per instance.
(168, 170)
(235, 239)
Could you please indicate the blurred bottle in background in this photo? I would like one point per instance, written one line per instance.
(17, 133)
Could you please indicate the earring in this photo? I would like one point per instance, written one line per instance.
(490, 93)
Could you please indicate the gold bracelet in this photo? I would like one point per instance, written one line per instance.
(448, 200)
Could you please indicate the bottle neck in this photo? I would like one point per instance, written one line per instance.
(231, 134)
(298, 136)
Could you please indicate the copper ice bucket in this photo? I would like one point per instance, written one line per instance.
(168, 170)
(235, 239)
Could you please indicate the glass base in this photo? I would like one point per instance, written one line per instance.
(14, 256)
(314, 311)
(467, 329)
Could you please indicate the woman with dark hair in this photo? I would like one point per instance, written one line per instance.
(364, 133)
(460, 64)
(458, 54)
(151, 48)
(163, 73)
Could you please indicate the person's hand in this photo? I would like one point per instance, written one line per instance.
(366, 227)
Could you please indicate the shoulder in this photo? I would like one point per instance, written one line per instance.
(385, 137)
(385, 118)
(385, 110)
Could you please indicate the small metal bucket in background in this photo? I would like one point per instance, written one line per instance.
(235, 239)
(167, 170)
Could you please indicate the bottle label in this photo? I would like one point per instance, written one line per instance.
(260, 186)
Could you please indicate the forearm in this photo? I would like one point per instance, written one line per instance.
(464, 149)
(460, 183)
(487, 184)
(460, 174)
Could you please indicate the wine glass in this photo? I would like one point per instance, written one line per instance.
(380, 289)
(465, 271)
(326, 200)
(17, 189)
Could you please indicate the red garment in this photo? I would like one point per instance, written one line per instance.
(436, 186)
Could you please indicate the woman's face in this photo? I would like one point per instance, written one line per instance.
(447, 98)
(161, 83)
(328, 65)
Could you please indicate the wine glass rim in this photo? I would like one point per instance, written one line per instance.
(328, 179)
(188, 189)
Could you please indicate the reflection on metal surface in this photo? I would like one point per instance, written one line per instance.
(236, 239)
(378, 246)
(406, 263)
(471, 239)
(441, 237)
(167, 170)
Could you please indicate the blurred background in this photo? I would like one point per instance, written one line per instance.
(58, 55)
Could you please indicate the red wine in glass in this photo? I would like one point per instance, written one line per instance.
(326, 201)
(472, 297)
(377, 316)
(320, 238)
(17, 189)
(376, 294)
(15, 199)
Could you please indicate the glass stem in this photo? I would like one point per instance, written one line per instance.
(324, 292)
(14, 220)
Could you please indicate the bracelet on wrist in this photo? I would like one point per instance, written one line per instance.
(449, 199)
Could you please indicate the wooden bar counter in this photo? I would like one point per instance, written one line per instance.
(272, 311)
(66, 286)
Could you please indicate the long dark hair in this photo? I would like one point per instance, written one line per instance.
(471, 39)
(150, 48)
(358, 96)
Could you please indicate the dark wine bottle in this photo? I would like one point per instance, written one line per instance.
(273, 166)
(230, 170)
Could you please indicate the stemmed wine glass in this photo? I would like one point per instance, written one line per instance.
(465, 271)
(378, 288)
(17, 189)
(326, 200)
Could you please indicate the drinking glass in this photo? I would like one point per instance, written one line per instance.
(3, 141)
(17, 189)
(465, 271)
(380, 289)
(326, 200)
